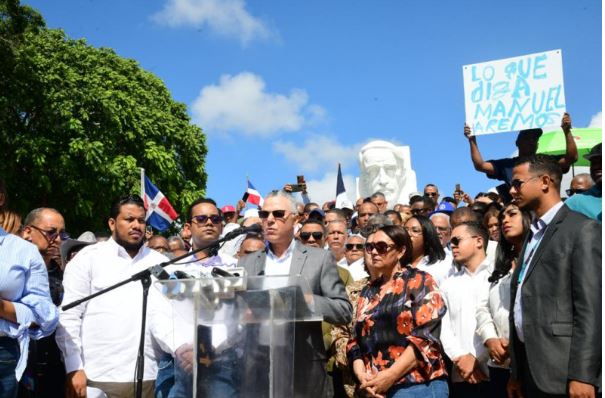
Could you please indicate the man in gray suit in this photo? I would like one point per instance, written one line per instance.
(555, 291)
(285, 256)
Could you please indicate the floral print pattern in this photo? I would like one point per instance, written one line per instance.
(390, 315)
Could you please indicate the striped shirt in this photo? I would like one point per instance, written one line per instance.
(24, 282)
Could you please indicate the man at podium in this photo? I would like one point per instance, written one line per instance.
(283, 255)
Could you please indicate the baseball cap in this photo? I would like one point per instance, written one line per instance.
(444, 207)
(227, 209)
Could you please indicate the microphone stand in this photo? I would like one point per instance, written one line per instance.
(145, 278)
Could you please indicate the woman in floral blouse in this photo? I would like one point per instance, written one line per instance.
(395, 350)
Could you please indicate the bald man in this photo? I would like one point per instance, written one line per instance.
(580, 183)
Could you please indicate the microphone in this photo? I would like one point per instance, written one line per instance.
(254, 228)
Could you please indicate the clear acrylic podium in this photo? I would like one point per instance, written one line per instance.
(234, 337)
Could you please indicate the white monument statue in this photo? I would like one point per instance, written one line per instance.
(386, 168)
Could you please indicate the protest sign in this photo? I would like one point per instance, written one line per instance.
(515, 93)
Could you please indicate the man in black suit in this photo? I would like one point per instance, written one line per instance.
(555, 291)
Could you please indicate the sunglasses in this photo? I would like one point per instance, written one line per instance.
(356, 246)
(203, 219)
(455, 241)
(381, 247)
(431, 194)
(571, 192)
(51, 235)
(516, 183)
(264, 214)
(305, 236)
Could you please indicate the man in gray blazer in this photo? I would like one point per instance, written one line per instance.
(285, 256)
(555, 292)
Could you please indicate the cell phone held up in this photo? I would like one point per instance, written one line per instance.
(300, 185)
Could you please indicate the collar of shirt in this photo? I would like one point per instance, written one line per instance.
(483, 266)
(285, 256)
(541, 223)
(121, 252)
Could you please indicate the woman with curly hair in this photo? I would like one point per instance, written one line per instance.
(395, 349)
(494, 306)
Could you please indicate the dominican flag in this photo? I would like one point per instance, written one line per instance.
(252, 195)
(160, 213)
(341, 192)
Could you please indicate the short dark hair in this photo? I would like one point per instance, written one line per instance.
(415, 199)
(401, 239)
(431, 185)
(543, 164)
(339, 213)
(395, 213)
(464, 212)
(476, 228)
(130, 199)
(432, 245)
(529, 132)
(314, 221)
(200, 201)
(309, 205)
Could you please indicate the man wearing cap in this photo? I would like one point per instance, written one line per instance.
(590, 203)
(527, 144)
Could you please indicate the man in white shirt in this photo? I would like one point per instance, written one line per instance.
(336, 236)
(462, 292)
(354, 250)
(99, 338)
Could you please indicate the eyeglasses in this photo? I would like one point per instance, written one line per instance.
(455, 241)
(356, 246)
(571, 192)
(305, 236)
(416, 231)
(52, 234)
(381, 247)
(203, 219)
(277, 214)
(431, 194)
(516, 183)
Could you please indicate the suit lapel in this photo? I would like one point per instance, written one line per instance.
(544, 242)
(299, 258)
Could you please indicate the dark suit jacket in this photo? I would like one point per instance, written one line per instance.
(319, 268)
(561, 304)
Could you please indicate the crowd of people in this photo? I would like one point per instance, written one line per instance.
(492, 295)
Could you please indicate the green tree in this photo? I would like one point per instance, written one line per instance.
(77, 122)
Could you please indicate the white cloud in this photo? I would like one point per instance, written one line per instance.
(597, 120)
(324, 190)
(318, 153)
(228, 18)
(240, 103)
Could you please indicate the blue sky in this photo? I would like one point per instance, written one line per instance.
(283, 88)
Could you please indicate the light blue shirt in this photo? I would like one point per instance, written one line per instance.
(538, 229)
(589, 203)
(24, 282)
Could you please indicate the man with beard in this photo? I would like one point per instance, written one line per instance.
(99, 338)
(45, 373)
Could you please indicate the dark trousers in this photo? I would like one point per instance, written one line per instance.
(9, 356)
(468, 390)
(498, 379)
(44, 376)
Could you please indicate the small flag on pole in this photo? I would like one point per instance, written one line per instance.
(160, 213)
(341, 193)
(252, 195)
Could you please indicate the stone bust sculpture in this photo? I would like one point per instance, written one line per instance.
(386, 168)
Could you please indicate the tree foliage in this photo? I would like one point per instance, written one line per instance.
(77, 122)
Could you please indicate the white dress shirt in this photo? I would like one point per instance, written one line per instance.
(440, 270)
(492, 314)
(357, 269)
(102, 335)
(538, 229)
(279, 265)
(462, 292)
